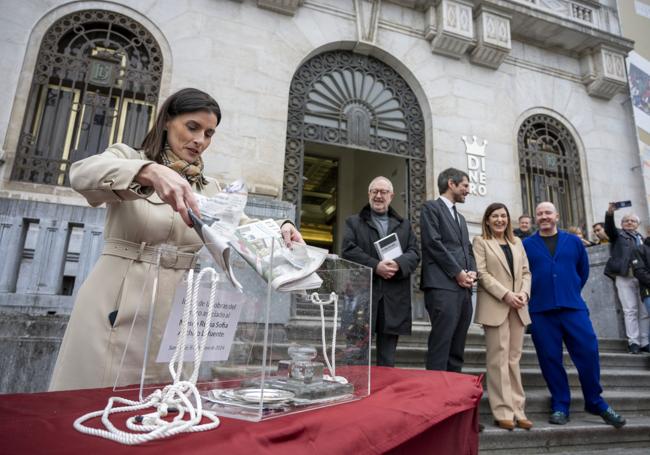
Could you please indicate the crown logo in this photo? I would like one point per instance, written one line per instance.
(473, 147)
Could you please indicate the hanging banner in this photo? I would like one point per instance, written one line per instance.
(638, 70)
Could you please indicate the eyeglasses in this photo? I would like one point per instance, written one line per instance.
(380, 192)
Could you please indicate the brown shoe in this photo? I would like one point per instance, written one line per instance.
(505, 424)
(525, 424)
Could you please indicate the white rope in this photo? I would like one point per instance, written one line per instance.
(181, 396)
(333, 298)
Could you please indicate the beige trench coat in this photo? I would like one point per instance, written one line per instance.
(495, 280)
(92, 349)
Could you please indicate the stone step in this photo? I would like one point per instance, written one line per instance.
(610, 379)
(308, 328)
(413, 356)
(609, 451)
(538, 403)
(583, 434)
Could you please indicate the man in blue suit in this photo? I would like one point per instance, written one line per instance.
(560, 268)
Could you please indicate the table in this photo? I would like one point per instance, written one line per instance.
(408, 411)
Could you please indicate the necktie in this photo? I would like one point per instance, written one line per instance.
(453, 207)
(639, 238)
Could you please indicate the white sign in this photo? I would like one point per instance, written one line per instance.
(476, 166)
(220, 330)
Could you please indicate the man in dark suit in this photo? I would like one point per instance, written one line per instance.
(560, 267)
(448, 272)
(391, 277)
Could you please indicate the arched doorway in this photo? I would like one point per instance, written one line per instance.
(343, 105)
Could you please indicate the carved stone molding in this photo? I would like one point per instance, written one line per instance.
(453, 31)
(493, 38)
(367, 15)
(288, 7)
(603, 72)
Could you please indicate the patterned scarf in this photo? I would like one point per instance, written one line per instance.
(193, 172)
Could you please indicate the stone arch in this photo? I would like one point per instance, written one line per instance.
(343, 98)
(28, 71)
(96, 82)
(551, 166)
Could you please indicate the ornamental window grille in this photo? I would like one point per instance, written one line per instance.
(354, 100)
(96, 82)
(549, 166)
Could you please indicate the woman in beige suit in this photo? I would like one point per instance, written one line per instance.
(147, 193)
(501, 306)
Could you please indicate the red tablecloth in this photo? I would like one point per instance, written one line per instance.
(408, 411)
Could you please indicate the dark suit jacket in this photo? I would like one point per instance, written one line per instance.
(358, 246)
(622, 245)
(446, 249)
(558, 279)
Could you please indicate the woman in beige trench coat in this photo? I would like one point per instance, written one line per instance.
(147, 193)
(502, 308)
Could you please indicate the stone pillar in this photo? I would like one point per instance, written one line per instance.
(12, 241)
(600, 294)
(49, 257)
(91, 248)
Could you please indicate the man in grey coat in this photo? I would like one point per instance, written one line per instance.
(448, 272)
(391, 278)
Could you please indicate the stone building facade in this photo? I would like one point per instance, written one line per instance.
(318, 97)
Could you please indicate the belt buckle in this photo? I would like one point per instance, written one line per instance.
(168, 256)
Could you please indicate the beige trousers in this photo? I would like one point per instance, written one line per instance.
(503, 345)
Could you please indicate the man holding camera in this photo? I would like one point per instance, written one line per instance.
(623, 243)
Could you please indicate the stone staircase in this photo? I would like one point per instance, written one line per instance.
(625, 379)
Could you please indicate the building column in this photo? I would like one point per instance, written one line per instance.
(91, 248)
(49, 257)
(12, 242)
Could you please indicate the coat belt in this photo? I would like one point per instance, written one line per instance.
(166, 255)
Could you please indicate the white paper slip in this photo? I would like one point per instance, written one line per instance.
(389, 247)
(221, 329)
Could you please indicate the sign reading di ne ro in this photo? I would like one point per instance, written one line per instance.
(476, 166)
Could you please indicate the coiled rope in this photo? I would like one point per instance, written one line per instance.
(181, 396)
(333, 298)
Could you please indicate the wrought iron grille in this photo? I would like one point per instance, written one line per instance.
(344, 98)
(549, 167)
(96, 82)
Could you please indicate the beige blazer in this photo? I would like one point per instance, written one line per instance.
(92, 348)
(495, 280)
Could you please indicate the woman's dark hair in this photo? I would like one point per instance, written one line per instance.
(486, 232)
(181, 102)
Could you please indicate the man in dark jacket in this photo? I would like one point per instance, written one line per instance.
(525, 228)
(623, 243)
(448, 272)
(391, 282)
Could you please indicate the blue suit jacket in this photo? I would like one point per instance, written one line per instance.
(558, 280)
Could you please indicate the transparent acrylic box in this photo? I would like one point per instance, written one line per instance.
(264, 350)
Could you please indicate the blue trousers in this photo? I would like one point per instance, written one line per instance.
(573, 327)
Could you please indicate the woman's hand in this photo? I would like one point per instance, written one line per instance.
(523, 297)
(514, 300)
(290, 234)
(171, 188)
